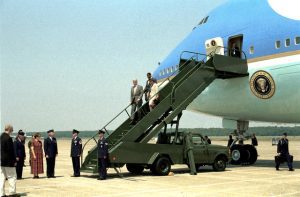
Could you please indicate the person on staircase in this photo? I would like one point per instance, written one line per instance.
(153, 94)
(136, 100)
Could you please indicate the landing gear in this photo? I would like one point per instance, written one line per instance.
(241, 153)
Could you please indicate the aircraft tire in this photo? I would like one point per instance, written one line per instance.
(253, 155)
(236, 154)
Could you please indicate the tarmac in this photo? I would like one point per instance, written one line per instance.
(260, 179)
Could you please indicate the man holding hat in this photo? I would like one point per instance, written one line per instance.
(50, 148)
(102, 155)
(19, 147)
(76, 149)
(283, 152)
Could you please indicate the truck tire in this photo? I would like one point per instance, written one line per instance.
(162, 166)
(219, 164)
(134, 168)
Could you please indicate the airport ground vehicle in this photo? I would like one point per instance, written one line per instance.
(128, 143)
(177, 148)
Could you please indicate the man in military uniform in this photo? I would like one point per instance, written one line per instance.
(19, 147)
(76, 149)
(102, 155)
(50, 148)
(283, 152)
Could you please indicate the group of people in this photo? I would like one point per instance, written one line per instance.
(13, 156)
(136, 96)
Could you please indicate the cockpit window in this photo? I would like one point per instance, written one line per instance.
(204, 20)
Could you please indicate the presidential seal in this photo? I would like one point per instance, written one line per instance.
(262, 85)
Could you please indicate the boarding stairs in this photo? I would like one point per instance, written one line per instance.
(175, 94)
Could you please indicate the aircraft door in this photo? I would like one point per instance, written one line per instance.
(214, 46)
(235, 44)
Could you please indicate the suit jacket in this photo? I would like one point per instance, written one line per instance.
(76, 147)
(50, 147)
(283, 146)
(8, 158)
(102, 148)
(134, 96)
(19, 149)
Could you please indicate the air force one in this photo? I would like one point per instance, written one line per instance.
(268, 35)
(241, 62)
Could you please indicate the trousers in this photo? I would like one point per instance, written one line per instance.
(8, 173)
(50, 166)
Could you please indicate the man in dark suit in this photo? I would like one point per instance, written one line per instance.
(136, 100)
(283, 152)
(50, 148)
(102, 155)
(20, 153)
(76, 149)
(8, 162)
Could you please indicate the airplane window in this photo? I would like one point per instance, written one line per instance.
(165, 71)
(169, 70)
(172, 69)
(287, 42)
(251, 50)
(277, 44)
(297, 40)
(177, 67)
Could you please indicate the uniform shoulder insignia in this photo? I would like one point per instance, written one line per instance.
(80, 142)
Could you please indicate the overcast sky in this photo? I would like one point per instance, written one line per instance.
(69, 64)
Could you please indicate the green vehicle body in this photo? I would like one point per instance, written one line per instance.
(146, 155)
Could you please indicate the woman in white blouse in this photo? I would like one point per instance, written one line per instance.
(153, 94)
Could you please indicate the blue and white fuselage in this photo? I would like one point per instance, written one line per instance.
(269, 35)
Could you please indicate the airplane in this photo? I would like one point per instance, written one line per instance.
(267, 35)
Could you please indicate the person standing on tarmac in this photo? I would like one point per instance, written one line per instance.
(230, 141)
(254, 140)
(76, 149)
(102, 155)
(19, 147)
(283, 152)
(50, 148)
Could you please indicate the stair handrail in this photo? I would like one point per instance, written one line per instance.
(200, 62)
(226, 51)
(125, 110)
(195, 54)
(140, 108)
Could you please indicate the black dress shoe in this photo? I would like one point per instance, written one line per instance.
(291, 169)
(52, 176)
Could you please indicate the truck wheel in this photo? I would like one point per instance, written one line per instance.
(134, 168)
(162, 166)
(219, 164)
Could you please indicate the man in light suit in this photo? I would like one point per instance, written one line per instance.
(136, 99)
